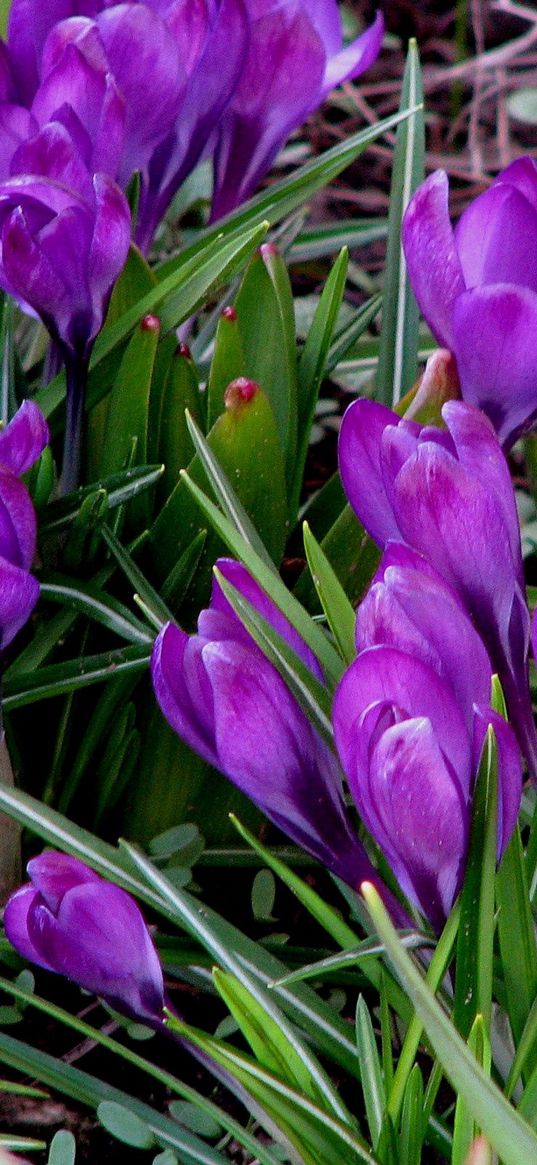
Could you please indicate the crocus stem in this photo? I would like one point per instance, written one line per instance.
(76, 371)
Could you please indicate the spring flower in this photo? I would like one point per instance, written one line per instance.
(477, 288)
(410, 723)
(295, 58)
(21, 443)
(69, 920)
(448, 495)
(223, 697)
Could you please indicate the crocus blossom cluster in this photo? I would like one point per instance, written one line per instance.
(69, 920)
(227, 701)
(21, 443)
(477, 288)
(410, 722)
(232, 78)
(447, 493)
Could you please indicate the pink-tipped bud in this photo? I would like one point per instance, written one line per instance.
(438, 384)
(229, 313)
(183, 350)
(240, 392)
(150, 323)
(268, 250)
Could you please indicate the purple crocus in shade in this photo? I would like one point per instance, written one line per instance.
(21, 443)
(69, 920)
(295, 58)
(64, 237)
(409, 725)
(477, 289)
(448, 494)
(223, 697)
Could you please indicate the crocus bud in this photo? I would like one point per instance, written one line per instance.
(438, 384)
(448, 494)
(69, 920)
(20, 445)
(410, 724)
(477, 288)
(223, 697)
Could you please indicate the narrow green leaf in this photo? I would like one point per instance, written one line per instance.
(324, 914)
(465, 1129)
(135, 576)
(412, 1123)
(278, 592)
(58, 679)
(473, 988)
(349, 335)
(93, 603)
(371, 1070)
(516, 934)
(336, 606)
(128, 403)
(227, 364)
(316, 1134)
(397, 366)
(328, 238)
(62, 1149)
(119, 489)
(510, 1135)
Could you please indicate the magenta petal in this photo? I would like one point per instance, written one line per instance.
(177, 697)
(16, 925)
(239, 577)
(387, 676)
(420, 816)
(496, 239)
(360, 440)
(19, 592)
(433, 263)
(356, 58)
(54, 873)
(17, 521)
(99, 940)
(496, 362)
(24, 439)
(522, 174)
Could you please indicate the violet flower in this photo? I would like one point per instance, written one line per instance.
(21, 443)
(64, 237)
(295, 58)
(69, 920)
(223, 697)
(477, 288)
(410, 723)
(448, 494)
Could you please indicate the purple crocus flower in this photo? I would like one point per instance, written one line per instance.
(295, 58)
(69, 920)
(21, 443)
(223, 697)
(64, 237)
(477, 288)
(410, 724)
(448, 494)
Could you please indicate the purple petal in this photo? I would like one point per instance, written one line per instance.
(434, 267)
(17, 521)
(522, 174)
(326, 19)
(53, 874)
(387, 676)
(422, 616)
(183, 691)
(19, 592)
(420, 818)
(443, 511)
(110, 243)
(16, 126)
(239, 577)
(51, 155)
(100, 941)
(362, 430)
(267, 747)
(496, 359)
(496, 239)
(16, 925)
(281, 82)
(139, 44)
(355, 58)
(24, 439)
